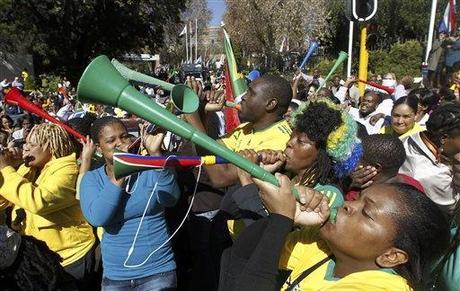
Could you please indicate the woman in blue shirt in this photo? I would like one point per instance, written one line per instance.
(136, 254)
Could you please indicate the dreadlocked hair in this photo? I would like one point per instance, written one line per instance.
(444, 120)
(54, 137)
(319, 172)
(36, 268)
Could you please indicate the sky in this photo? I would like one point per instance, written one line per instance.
(218, 9)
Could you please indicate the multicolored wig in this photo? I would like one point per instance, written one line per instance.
(333, 131)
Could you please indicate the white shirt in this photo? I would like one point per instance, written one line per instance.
(400, 91)
(436, 177)
(371, 129)
(65, 112)
(18, 134)
(341, 94)
(149, 91)
(424, 119)
(310, 78)
(221, 116)
(384, 107)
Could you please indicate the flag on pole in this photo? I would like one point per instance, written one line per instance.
(238, 82)
(231, 115)
(184, 31)
(447, 24)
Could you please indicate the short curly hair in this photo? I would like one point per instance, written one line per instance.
(387, 150)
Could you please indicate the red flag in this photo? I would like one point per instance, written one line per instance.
(452, 16)
(231, 115)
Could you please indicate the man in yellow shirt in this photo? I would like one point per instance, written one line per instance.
(263, 106)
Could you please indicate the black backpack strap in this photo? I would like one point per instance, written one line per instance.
(307, 272)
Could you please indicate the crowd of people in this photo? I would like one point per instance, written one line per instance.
(368, 195)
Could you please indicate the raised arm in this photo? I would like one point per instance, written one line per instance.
(220, 175)
(55, 192)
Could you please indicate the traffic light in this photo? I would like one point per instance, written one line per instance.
(360, 10)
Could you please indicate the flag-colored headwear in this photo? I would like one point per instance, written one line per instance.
(342, 144)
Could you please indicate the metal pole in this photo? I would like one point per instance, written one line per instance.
(196, 39)
(350, 48)
(186, 43)
(191, 42)
(429, 44)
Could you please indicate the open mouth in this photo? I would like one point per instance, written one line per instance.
(28, 159)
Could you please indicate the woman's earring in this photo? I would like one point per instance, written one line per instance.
(98, 153)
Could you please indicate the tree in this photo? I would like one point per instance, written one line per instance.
(259, 26)
(64, 35)
(173, 52)
(395, 21)
(383, 61)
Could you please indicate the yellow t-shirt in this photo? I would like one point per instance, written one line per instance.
(244, 137)
(389, 130)
(303, 249)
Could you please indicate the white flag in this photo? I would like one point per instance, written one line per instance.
(184, 31)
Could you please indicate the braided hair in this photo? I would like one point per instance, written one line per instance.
(36, 268)
(54, 137)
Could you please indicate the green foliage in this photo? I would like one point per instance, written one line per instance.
(64, 35)
(48, 84)
(325, 65)
(395, 21)
(29, 83)
(403, 59)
